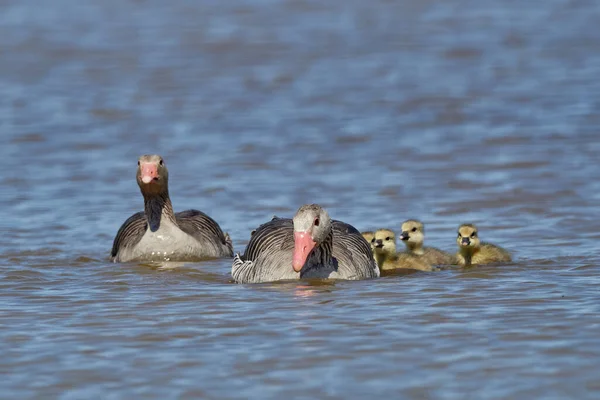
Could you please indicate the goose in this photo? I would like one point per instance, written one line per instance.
(310, 245)
(472, 251)
(387, 257)
(413, 236)
(159, 234)
(369, 238)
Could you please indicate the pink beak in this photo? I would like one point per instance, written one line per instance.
(303, 245)
(149, 172)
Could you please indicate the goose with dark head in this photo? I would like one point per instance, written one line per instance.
(158, 233)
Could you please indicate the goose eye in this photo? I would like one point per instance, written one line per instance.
(317, 221)
(161, 162)
(414, 229)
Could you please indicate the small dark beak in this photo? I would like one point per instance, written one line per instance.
(404, 236)
(465, 241)
(379, 243)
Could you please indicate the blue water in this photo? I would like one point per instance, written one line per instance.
(446, 111)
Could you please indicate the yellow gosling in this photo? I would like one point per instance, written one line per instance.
(471, 251)
(369, 236)
(413, 236)
(388, 259)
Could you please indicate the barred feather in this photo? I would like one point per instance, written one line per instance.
(268, 255)
(206, 230)
(130, 233)
(193, 222)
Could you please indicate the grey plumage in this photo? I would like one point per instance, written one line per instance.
(268, 256)
(129, 234)
(159, 234)
(205, 229)
(195, 223)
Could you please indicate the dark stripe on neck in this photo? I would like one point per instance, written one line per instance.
(156, 207)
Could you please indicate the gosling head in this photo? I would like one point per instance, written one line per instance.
(369, 237)
(312, 227)
(468, 239)
(152, 175)
(413, 234)
(384, 242)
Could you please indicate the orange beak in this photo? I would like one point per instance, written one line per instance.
(303, 245)
(149, 172)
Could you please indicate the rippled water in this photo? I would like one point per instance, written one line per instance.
(448, 111)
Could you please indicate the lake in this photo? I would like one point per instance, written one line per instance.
(447, 111)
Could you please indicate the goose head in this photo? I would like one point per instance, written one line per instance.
(468, 238)
(413, 234)
(152, 175)
(312, 228)
(384, 243)
(369, 236)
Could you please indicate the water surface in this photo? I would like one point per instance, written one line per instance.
(446, 111)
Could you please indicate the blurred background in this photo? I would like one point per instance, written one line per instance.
(448, 111)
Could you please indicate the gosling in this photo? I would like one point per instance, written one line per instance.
(472, 251)
(369, 237)
(413, 236)
(388, 259)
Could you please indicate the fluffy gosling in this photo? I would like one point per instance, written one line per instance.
(471, 251)
(388, 259)
(413, 236)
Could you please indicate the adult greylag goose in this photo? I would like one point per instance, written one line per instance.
(310, 245)
(472, 251)
(388, 259)
(159, 234)
(413, 236)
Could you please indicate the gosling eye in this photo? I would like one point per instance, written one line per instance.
(138, 163)
(414, 229)
(459, 236)
(473, 234)
(161, 162)
(373, 240)
(387, 238)
(317, 221)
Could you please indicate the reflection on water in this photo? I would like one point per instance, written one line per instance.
(445, 111)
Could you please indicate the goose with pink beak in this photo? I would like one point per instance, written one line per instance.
(312, 237)
(310, 245)
(158, 233)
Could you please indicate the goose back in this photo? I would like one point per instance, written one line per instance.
(488, 253)
(209, 239)
(434, 256)
(206, 231)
